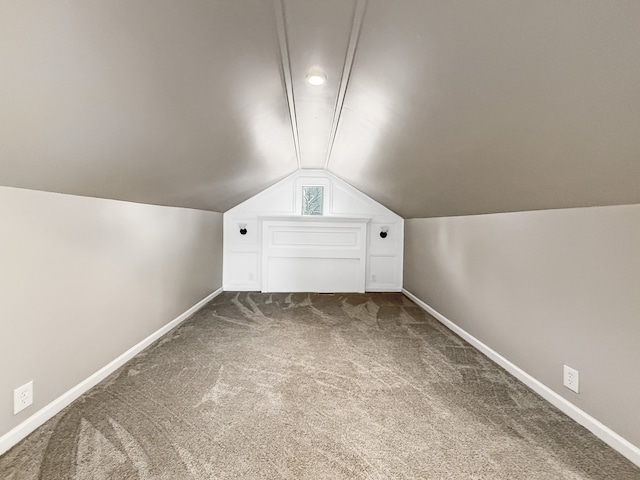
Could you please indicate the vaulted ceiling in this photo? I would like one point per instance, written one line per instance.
(433, 108)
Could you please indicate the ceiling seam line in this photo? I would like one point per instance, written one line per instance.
(354, 37)
(285, 66)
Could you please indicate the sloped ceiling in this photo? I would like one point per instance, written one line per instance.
(433, 108)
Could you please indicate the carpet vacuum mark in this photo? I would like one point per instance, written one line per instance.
(309, 386)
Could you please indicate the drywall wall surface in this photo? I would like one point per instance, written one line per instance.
(543, 289)
(243, 253)
(83, 279)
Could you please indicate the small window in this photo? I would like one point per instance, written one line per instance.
(312, 199)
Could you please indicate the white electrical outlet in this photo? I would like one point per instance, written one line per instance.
(22, 397)
(571, 379)
(374, 278)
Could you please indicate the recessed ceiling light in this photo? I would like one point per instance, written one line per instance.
(316, 78)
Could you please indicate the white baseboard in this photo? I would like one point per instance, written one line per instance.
(13, 436)
(603, 432)
(242, 287)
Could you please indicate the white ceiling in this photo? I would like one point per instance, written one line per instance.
(433, 108)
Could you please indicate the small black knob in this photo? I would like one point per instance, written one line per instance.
(383, 234)
(243, 231)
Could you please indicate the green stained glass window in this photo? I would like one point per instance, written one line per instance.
(312, 199)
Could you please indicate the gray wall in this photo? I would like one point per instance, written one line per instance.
(83, 279)
(543, 289)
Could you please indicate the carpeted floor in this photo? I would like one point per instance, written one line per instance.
(308, 386)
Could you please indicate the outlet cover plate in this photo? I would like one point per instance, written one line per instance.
(22, 397)
(571, 379)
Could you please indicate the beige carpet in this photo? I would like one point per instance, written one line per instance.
(312, 387)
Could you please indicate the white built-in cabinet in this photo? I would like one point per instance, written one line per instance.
(270, 246)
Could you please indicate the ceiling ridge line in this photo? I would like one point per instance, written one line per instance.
(354, 37)
(285, 66)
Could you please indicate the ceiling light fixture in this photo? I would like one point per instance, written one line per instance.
(316, 78)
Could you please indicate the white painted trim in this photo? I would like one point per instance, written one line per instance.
(242, 287)
(354, 36)
(287, 78)
(15, 435)
(604, 433)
